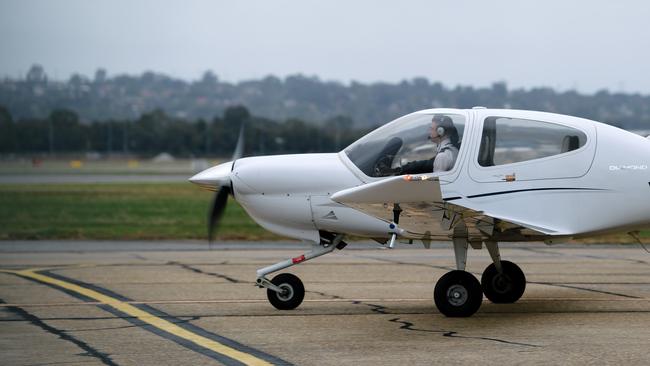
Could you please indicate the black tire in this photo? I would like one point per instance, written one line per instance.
(504, 288)
(294, 292)
(458, 294)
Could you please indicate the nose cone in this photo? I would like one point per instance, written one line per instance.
(213, 178)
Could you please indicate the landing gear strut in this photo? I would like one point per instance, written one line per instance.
(286, 291)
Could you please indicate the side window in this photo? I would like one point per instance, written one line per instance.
(511, 140)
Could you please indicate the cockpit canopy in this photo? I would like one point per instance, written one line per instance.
(387, 149)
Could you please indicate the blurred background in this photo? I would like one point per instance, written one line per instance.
(107, 107)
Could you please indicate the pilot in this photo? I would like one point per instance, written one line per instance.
(444, 133)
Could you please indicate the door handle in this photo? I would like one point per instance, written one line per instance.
(509, 177)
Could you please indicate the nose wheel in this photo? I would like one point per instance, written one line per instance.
(292, 294)
(458, 294)
(503, 287)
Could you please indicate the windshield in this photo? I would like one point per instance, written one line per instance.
(408, 145)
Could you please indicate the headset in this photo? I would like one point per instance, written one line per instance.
(441, 120)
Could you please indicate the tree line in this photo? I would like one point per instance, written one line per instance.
(128, 97)
(62, 132)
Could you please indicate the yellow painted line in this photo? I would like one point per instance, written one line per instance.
(31, 269)
(145, 317)
(38, 269)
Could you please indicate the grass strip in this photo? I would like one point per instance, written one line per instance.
(123, 211)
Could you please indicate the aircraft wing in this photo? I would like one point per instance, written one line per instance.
(427, 215)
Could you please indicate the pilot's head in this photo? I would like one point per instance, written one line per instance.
(441, 126)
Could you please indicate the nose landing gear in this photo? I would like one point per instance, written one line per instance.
(286, 291)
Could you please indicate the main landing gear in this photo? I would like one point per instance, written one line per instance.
(459, 294)
(286, 291)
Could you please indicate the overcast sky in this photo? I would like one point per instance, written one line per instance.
(584, 45)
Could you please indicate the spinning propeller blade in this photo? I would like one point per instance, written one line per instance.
(221, 197)
(216, 211)
(239, 149)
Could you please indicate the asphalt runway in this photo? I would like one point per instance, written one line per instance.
(146, 303)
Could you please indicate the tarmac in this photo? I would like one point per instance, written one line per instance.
(173, 303)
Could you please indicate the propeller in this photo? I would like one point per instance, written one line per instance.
(221, 197)
(216, 210)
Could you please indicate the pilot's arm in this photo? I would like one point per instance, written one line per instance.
(418, 167)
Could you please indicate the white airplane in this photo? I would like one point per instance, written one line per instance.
(519, 176)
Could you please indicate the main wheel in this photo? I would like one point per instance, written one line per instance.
(293, 292)
(458, 294)
(506, 287)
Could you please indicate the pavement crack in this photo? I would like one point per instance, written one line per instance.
(34, 320)
(324, 294)
(379, 309)
(406, 325)
(200, 271)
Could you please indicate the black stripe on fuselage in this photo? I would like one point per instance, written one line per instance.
(532, 190)
(451, 198)
(523, 190)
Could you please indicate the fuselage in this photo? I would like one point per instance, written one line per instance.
(599, 183)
